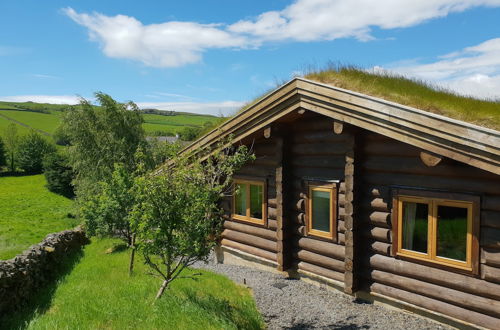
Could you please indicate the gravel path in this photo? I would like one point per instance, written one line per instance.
(294, 304)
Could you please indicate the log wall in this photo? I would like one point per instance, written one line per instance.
(255, 239)
(317, 152)
(387, 163)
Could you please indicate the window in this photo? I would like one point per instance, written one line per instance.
(438, 228)
(249, 201)
(322, 210)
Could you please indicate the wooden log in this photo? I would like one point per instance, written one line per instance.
(437, 306)
(432, 182)
(326, 137)
(310, 149)
(341, 200)
(455, 297)
(251, 240)
(338, 127)
(381, 219)
(265, 149)
(271, 213)
(341, 214)
(491, 203)
(379, 191)
(272, 224)
(341, 238)
(313, 125)
(254, 170)
(249, 249)
(300, 218)
(341, 226)
(251, 230)
(490, 257)
(378, 204)
(381, 248)
(320, 173)
(490, 237)
(331, 250)
(321, 271)
(318, 161)
(267, 132)
(380, 234)
(491, 274)
(319, 260)
(300, 205)
(436, 276)
(300, 231)
(389, 147)
(266, 161)
(271, 202)
(342, 187)
(430, 159)
(490, 219)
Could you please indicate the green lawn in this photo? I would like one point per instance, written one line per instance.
(4, 122)
(28, 212)
(174, 124)
(99, 294)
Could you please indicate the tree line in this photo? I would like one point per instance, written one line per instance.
(162, 204)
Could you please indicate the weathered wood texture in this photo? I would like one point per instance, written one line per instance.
(250, 238)
(389, 163)
(317, 153)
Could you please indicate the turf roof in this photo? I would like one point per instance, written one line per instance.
(413, 93)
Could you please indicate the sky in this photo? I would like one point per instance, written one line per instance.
(213, 56)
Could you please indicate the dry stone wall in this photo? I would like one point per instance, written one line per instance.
(23, 275)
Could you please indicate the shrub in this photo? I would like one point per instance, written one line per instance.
(59, 174)
(32, 149)
(3, 161)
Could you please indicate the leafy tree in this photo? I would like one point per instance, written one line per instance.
(32, 148)
(3, 160)
(177, 217)
(11, 141)
(61, 137)
(101, 137)
(59, 174)
(189, 133)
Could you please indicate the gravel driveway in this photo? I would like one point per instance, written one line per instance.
(294, 304)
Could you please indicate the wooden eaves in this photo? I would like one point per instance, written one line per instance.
(471, 144)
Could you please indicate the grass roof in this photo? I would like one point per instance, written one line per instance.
(413, 93)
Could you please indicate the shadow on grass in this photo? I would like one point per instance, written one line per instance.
(41, 300)
(242, 318)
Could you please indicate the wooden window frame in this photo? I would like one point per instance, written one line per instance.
(332, 189)
(433, 200)
(247, 217)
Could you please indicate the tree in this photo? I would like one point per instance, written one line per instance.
(58, 174)
(101, 137)
(177, 218)
(11, 141)
(3, 160)
(32, 148)
(189, 133)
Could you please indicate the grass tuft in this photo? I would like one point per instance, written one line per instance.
(411, 92)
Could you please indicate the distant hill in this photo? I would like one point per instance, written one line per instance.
(46, 117)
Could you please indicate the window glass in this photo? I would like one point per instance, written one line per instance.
(452, 232)
(256, 195)
(321, 210)
(415, 226)
(240, 199)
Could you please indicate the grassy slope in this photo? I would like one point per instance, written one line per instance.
(28, 212)
(99, 294)
(413, 93)
(49, 122)
(5, 122)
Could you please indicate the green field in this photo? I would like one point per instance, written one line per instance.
(98, 293)
(49, 121)
(28, 212)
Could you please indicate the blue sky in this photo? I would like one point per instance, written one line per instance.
(212, 56)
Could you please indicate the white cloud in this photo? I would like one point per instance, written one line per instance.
(211, 108)
(54, 99)
(472, 71)
(310, 20)
(174, 43)
(169, 44)
(45, 76)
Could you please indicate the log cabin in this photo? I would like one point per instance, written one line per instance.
(383, 201)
